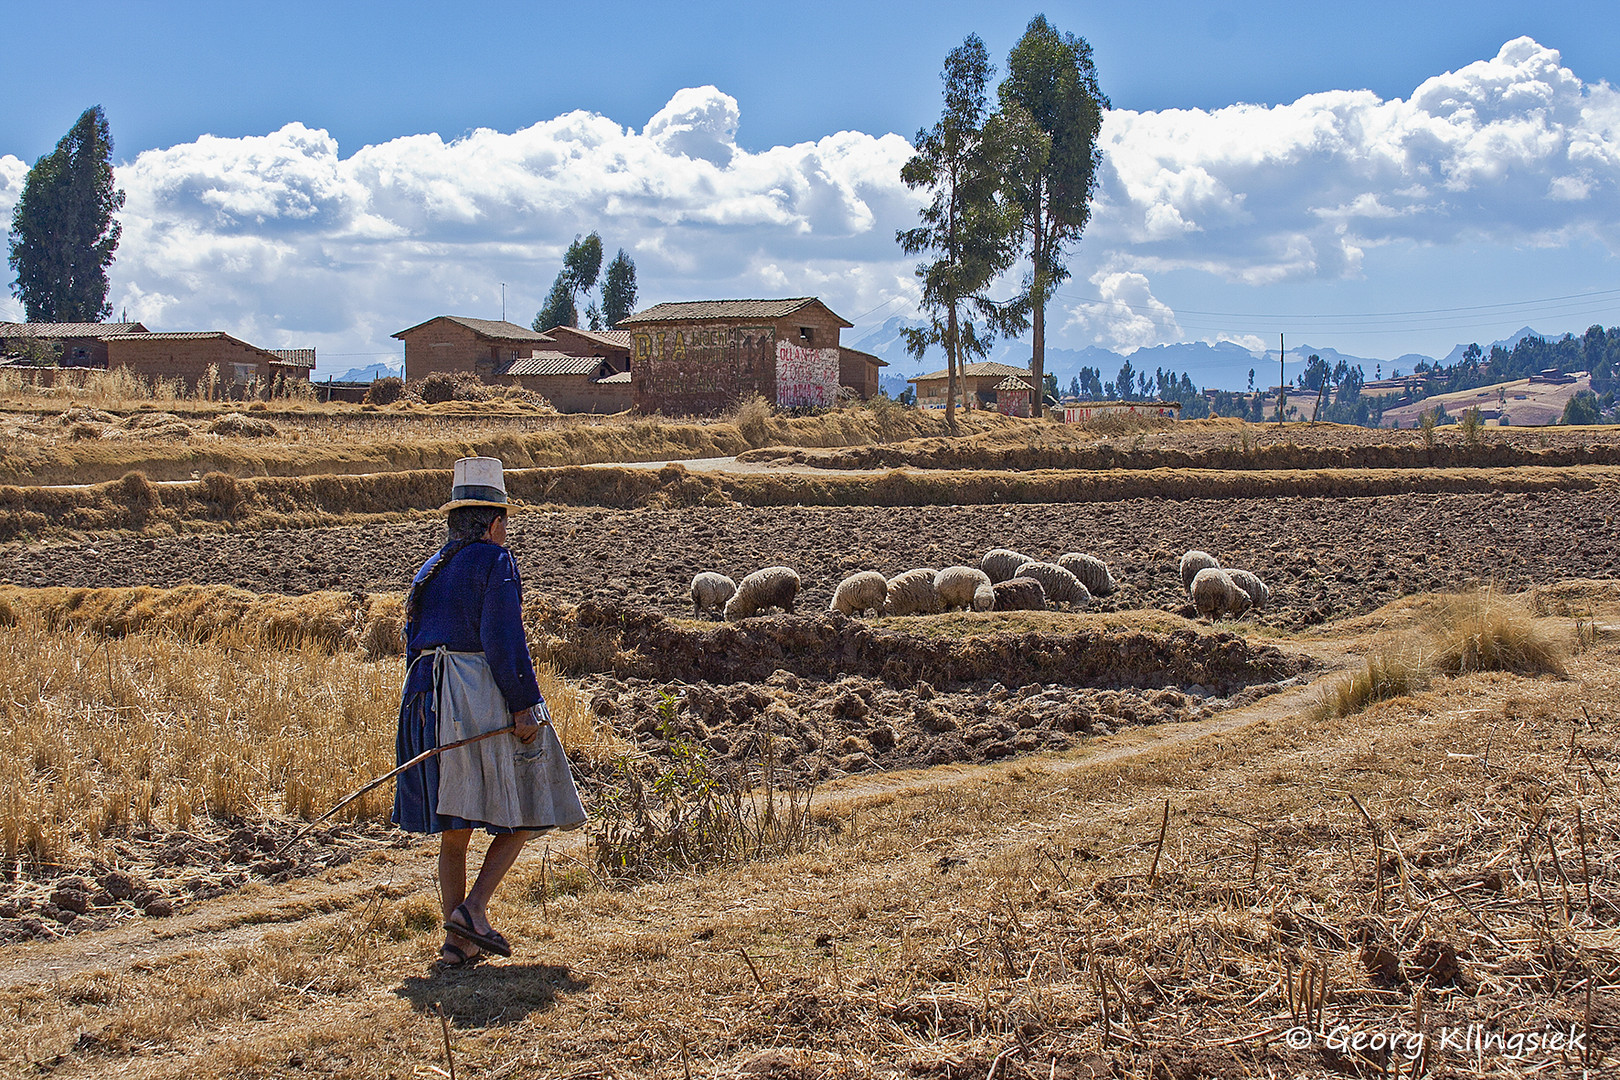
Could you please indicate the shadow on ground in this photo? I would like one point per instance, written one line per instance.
(490, 994)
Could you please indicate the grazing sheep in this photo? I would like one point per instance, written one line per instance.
(774, 586)
(912, 593)
(1060, 586)
(999, 564)
(860, 593)
(957, 586)
(984, 598)
(1257, 590)
(1194, 561)
(1216, 595)
(1092, 572)
(710, 591)
(1019, 594)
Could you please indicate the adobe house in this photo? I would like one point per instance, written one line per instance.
(573, 384)
(610, 345)
(187, 356)
(1013, 396)
(698, 357)
(859, 371)
(455, 343)
(975, 385)
(71, 344)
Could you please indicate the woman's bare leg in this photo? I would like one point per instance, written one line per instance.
(503, 852)
(453, 881)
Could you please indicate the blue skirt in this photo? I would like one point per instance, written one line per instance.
(416, 791)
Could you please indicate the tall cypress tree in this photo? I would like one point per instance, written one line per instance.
(62, 231)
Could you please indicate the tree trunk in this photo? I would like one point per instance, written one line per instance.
(950, 368)
(1037, 362)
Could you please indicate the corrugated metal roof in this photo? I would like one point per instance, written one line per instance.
(684, 310)
(615, 380)
(550, 363)
(489, 328)
(69, 330)
(983, 368)
(296, 357)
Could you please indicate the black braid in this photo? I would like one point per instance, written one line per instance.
(467, 526)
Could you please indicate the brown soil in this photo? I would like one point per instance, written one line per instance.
(1324, 558)
(1219, 446)
(157, 873)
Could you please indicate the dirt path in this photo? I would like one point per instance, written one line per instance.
(246, 916)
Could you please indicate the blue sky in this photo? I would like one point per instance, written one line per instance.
(329, 173)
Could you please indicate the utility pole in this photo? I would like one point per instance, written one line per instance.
(1282, 379)
(503, 301)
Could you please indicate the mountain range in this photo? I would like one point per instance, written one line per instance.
(1223, 365)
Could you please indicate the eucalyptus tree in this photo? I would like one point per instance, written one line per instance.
(63, 234)
(582, 265)
(967, 236)
(1052, 108)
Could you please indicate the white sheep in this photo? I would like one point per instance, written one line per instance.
(1060, 586)
(1216, 595)
(1258, 592)
(710, 591)
(774, 586)
(860, 593)
(984, 598)
(1092, 572)
(958, 585)
(1194, 561)
(1019, 594)
(1000, 564)
(912, 593)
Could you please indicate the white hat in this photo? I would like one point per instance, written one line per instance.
(478, 481)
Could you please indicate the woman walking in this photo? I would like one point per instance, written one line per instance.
(469, 671)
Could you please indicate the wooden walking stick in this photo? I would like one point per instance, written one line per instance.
(381, 780)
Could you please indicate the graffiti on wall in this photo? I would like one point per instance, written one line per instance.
(683, 370)
(805, 376)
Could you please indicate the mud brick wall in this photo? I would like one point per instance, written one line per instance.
(700, 367)
(188, 359)
(443, 345)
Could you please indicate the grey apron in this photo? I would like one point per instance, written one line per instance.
(500, 781)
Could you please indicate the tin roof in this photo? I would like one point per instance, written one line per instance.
(692, 310)
(615, 380)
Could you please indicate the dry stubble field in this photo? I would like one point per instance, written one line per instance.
(1029, 908)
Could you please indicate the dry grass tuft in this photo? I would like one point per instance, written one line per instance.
(1479, 630)
(1485, 631)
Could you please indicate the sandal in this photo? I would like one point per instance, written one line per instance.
(462, 957)
(490, 942)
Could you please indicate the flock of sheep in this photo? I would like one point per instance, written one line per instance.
(1003, 581)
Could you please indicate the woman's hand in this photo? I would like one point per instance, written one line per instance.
(526, 726)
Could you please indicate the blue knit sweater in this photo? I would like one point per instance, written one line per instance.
(474, 604)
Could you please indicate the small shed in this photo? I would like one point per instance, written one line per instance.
(1013, 396)
(573, 384)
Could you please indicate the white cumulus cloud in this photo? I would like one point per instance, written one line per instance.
(284, 240)
(1128, 315)
(1515, 149)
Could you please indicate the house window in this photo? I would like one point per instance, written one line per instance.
(806, 334)
(242, 374)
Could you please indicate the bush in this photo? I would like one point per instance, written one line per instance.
(384, 391)
(752, 417)
(444, 386)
